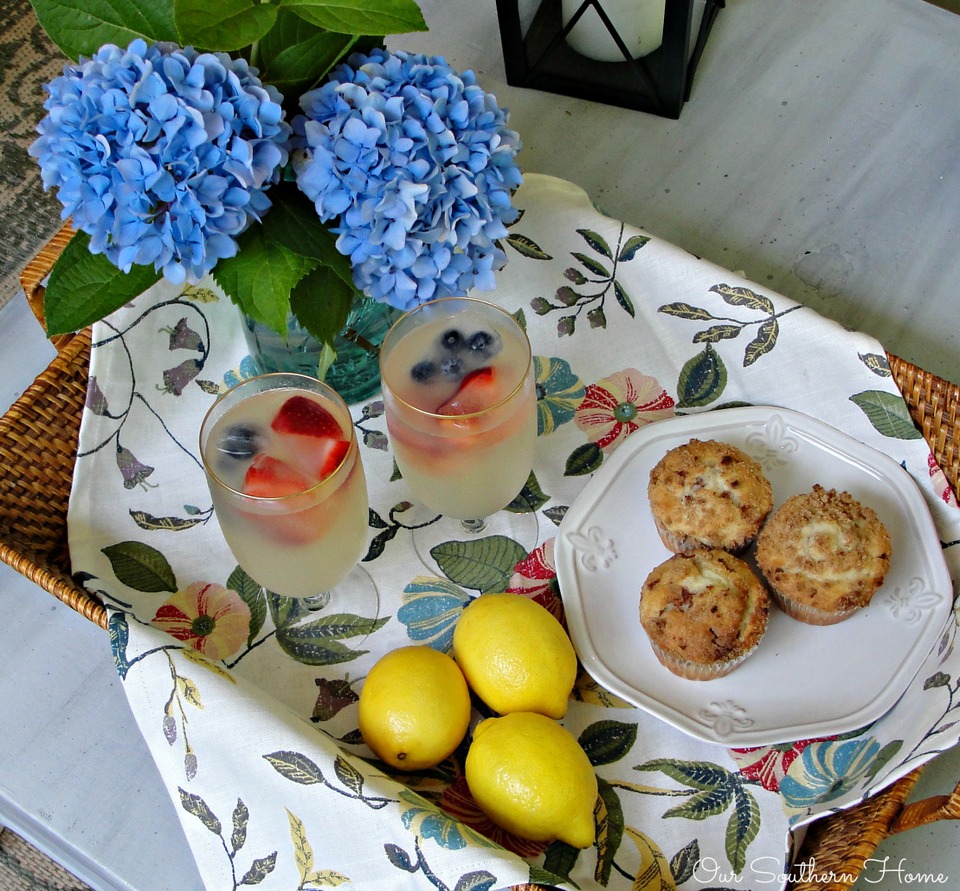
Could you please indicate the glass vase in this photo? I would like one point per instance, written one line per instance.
(355, 372)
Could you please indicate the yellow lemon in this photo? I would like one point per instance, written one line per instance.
(414, 707)
(515, 655)
(530, 776)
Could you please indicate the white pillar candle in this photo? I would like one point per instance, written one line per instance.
(638, 22)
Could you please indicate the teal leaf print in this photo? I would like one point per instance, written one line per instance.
(430, 609)
(166, 524)
(624, 300)
(530, 498)
(119, 632)
(259, 869)
(485, 564)
(716, 333)
(527, 247)
(284, 610)
(684, 862)
(241, 819)
(319, 642)
(195, 805)
(687, 311)
(296, 767)
(559, 392)
(702, 380)
(141, 567)
(591, 265)
(607, 741)
(888, 413)
(703, 804)
(583, 460)
(696, 774)
(735, 296)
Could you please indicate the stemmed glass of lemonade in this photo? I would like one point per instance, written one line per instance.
(460, 402)
(284, 471)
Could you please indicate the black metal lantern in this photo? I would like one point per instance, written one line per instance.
(611, 51)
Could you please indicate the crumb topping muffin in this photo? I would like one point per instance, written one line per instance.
(824, 555)
(704, 613)
(708, 494)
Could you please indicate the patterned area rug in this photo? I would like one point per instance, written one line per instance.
(23, 868)
(28, 215)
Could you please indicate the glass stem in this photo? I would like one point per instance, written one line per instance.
(474, 526)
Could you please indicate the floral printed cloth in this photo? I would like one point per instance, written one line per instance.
(248, 700)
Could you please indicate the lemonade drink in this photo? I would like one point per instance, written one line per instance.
(460, 402)
(287, 483)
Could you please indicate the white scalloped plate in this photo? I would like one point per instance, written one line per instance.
(803, 681)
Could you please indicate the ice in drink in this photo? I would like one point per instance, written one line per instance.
(460, 402)
(287, 482)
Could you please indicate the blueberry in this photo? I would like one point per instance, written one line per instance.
(240, 441)
(452, 340)
(484, 344)
(452, 367)
(423, 371)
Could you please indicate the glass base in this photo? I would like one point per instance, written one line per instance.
(439, 539)
(351, 609)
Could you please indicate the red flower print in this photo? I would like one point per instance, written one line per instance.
(460, 804)
(614, 407)
(536, 577)
(938, 479)
(768, 765)
(213, 619)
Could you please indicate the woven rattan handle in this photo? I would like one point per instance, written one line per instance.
(36, 272)
(929, 810)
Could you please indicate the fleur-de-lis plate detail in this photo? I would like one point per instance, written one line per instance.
(773, 446)
(726, 718)
(913, 604)
(595, 550)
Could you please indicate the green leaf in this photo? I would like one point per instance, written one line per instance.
(319, 642)
(527, 247)
(284, 610)
(85, 287)
(484, 564)
(702, 379)
(623, 298)
(294, 54)
(696, 774)
(744, 297)
(742, 829)
(293, 223)
(373, 17)
(252, 594)
(596, 241)
(592, 265)
(583, 459)
(261, 276)
(609, 831)
(81, 27)
(295, 767)
(703, 804)
(226, 25)
(607, 741)
(141, 567)
(888, 413)
(883, 757)
(763, 343)
(530, 499)
(634, 243)
(321, 302)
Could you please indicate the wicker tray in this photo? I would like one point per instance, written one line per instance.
(35, 489)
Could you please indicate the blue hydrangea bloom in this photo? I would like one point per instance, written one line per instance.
(414, 165)
(162, 155)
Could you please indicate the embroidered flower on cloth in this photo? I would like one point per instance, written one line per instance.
(616, 406)
(938, 479)
(162, 155)
(212, 619)
(414, 165)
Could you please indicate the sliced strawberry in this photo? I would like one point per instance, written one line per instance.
(333, 453)
(476, 392)
(306, 417)
(271, 478)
